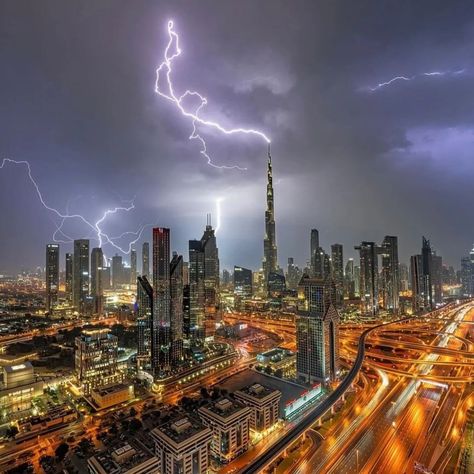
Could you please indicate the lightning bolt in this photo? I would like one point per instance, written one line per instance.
(95, 227)
(164, 73)
(218, 214)
(416, 76)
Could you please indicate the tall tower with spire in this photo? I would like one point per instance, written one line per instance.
(269, 242)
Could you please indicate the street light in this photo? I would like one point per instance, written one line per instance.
(357, 457)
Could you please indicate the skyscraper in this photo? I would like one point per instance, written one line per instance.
(337, 267)
(466, 276)
(390, 274)
(242, 282)
(144, 322)
(69, 266)
(133, 267)
(368, 281)
(117, 271)
(196, 290)
(315, 262)
(97, 289)
(161, 327)
(317, 331)
(145, 259)
(177, 311)
(436, 278)
(52, 276)
(421, 278)
(80, 273)
(349, 279)
(426, 254)
(270, 262)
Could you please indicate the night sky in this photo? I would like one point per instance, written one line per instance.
(77, 101)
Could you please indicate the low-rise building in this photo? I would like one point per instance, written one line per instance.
(110, 395)
(19, 387)
(229, 421)
(182, 446)
(264, 403)
(124, 459)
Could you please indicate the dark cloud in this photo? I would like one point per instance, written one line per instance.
(77, 100)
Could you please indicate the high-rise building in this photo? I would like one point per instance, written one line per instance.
(211, 278)
(315, 258)
(437, 278)
(144, 322)
(404, 278)
(390, 274)
(186, 312)
(368, 281)
(242, 282)
(96, 358)
(317, 331)
(133, 267)
(52, 276)
(80, 273)
(145, 259)
(426, 254)
(97, 290)
(421, 278)
(69, 272)
(161, 328)
(349, 279)
(177, 314)
(270, 262)
(337, 266)
(196, 290)
(466, 277)
(293, 274)
(117, 271)
(226, 278)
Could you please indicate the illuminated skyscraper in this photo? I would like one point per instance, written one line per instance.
(196, 290)
(97, 289)
(421, 279)
(80, 273)
(117, 271)
(144, 322)
(145, 259)
(337, 267)
(161, 327)
(436, 278)
(314, 253)
(390, 274)
(270, 262)
(52, 276)
(349, 279)
(177, 314)
(368, 281)
(317, 331)
(69, 266)
(133, 267)
(242, 282)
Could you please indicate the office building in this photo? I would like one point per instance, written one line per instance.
(145, 259)
(349, 279)
(315, 256)
(404, 278)
(176, 308)
(161, 327)
(133, 267)
(317, 331)
(421, 278)
(97, 289)
(337, 272)
(276, 285)
(390, 274)
(68, 276)
(182, 445)
(467, 277)
(229, 421)
(117, 271)
(80, 274)
(270, 261)
(264, 403)
(293, 275)
(437, 278)
(96, 359)
(368, 279)
(242, 282)
(144, 322)
(52, 276)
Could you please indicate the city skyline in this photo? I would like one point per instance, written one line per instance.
(398, 152)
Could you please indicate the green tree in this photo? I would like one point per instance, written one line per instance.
(61, 451)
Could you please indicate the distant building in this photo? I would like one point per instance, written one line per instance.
(96, 358)
(276, 285)
(133, 267)
(467, 277)
(52, 276)
(182, 445)
(349, 279)
(337, 267)
(144, 322)
(317, 331)
(197, 313)
(264, 403)
(97, 290)
(69, 273)
(80, 274)
(404, 278)
(176, 308)
(421, 279)
(111, 395)
(390, 274)
(437, 278)
(117, 271)
(315, 260)
(145, 259)
(229, 421)
(293, 274)
(368, 280)
(242, 282)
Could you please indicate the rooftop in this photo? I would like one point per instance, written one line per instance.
(181, 428)
(108, 389)
(224, 407)
(257, 390)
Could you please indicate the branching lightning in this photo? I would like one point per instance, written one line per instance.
(163, 75)
(416, 76)
(218, 214)
(95, 227)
